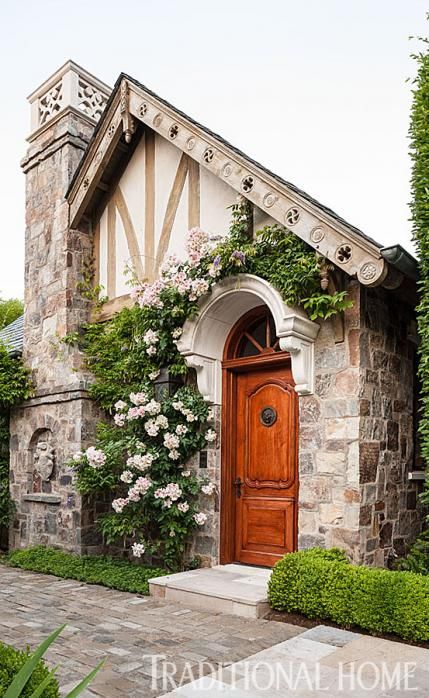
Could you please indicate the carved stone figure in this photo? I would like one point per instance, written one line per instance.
(44, 457)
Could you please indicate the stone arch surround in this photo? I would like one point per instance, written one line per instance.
(203, 339)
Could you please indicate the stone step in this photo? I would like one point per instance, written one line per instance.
(235, 589)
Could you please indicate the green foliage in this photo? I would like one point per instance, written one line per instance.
(107, 571)
(10, 310)
(321, 584)
(124, 361)
(417, 559)
(15, 386)
(14, 380)
(419, 152)
(12, 661)
(30, 677)
(162, 529)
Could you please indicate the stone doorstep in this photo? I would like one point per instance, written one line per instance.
(233, 589)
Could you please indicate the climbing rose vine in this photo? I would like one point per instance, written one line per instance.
(142, 458)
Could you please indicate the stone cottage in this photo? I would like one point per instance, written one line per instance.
(317, 419)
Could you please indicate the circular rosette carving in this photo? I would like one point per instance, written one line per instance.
(368, 273)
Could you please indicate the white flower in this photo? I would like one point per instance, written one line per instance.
(171, 492)
(138, 549)
(209, 488)
(120, 405)
(153, 407)
(127, 476)
(174, 454)
(119, 420)
(162, 421)
(183, 507)
(177, 333)
(136, 412)
(172, 534)
(154, 375)
(133, 494)
(77, 456)
(181, 429)
(142, 484)
(151, 350)
(150, 337)
(178, 405)
(171, 441)
(190, 417)
(138, 398)
(151, 427)
(141, 462)
(119, 504)
(96, 457)
(210, 435)
(186, 473)
(200, 518)
(198, 288)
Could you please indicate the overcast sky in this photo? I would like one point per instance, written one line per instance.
(314, 89)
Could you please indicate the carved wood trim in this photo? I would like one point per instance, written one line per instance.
(149, 223)
(170, 214)
(133, 245)
(193, 194)
(112, 307)
(329, 235)
(111, 249)
(96, 253)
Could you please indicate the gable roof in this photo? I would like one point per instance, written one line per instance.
(12, 336)
(132, 106)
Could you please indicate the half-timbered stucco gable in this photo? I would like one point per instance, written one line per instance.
(176, 174)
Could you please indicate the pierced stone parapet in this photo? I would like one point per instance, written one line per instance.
(71, 87)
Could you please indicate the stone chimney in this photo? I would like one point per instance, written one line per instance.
(59, 419)
(64, 112)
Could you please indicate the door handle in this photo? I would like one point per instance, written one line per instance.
(237, 484)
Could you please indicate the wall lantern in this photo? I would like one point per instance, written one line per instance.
(166, 384)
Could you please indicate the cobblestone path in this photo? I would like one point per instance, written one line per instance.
(128, 629)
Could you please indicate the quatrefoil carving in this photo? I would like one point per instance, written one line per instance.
(173, 131)
(292, 216)
(208, 155)
(142, 109)
(343, 254)
(247, 183)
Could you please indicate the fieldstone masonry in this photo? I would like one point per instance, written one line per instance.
(356, 430)
(356, 441)
(48, 509)
(390, 515)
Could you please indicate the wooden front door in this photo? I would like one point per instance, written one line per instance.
(260, 453)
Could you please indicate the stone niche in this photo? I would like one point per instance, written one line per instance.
(42, 460)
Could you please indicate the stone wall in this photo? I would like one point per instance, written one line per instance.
(329, 496)
(390, 516)
(49, 511)
(59, 419)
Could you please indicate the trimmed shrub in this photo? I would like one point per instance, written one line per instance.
(322, 584)
(11, 661)
(107, 571)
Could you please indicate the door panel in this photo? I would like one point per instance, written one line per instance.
(265, 464)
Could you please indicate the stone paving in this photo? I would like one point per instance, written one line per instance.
(213, 654)
(128, 629)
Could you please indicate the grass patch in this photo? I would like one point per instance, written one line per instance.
(107, 571)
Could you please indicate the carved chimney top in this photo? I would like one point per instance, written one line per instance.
(70, 88)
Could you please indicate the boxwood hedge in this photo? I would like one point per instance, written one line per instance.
(110, 572)
(11, 661)
(322, 584)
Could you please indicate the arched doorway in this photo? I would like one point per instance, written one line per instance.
(259, 444)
